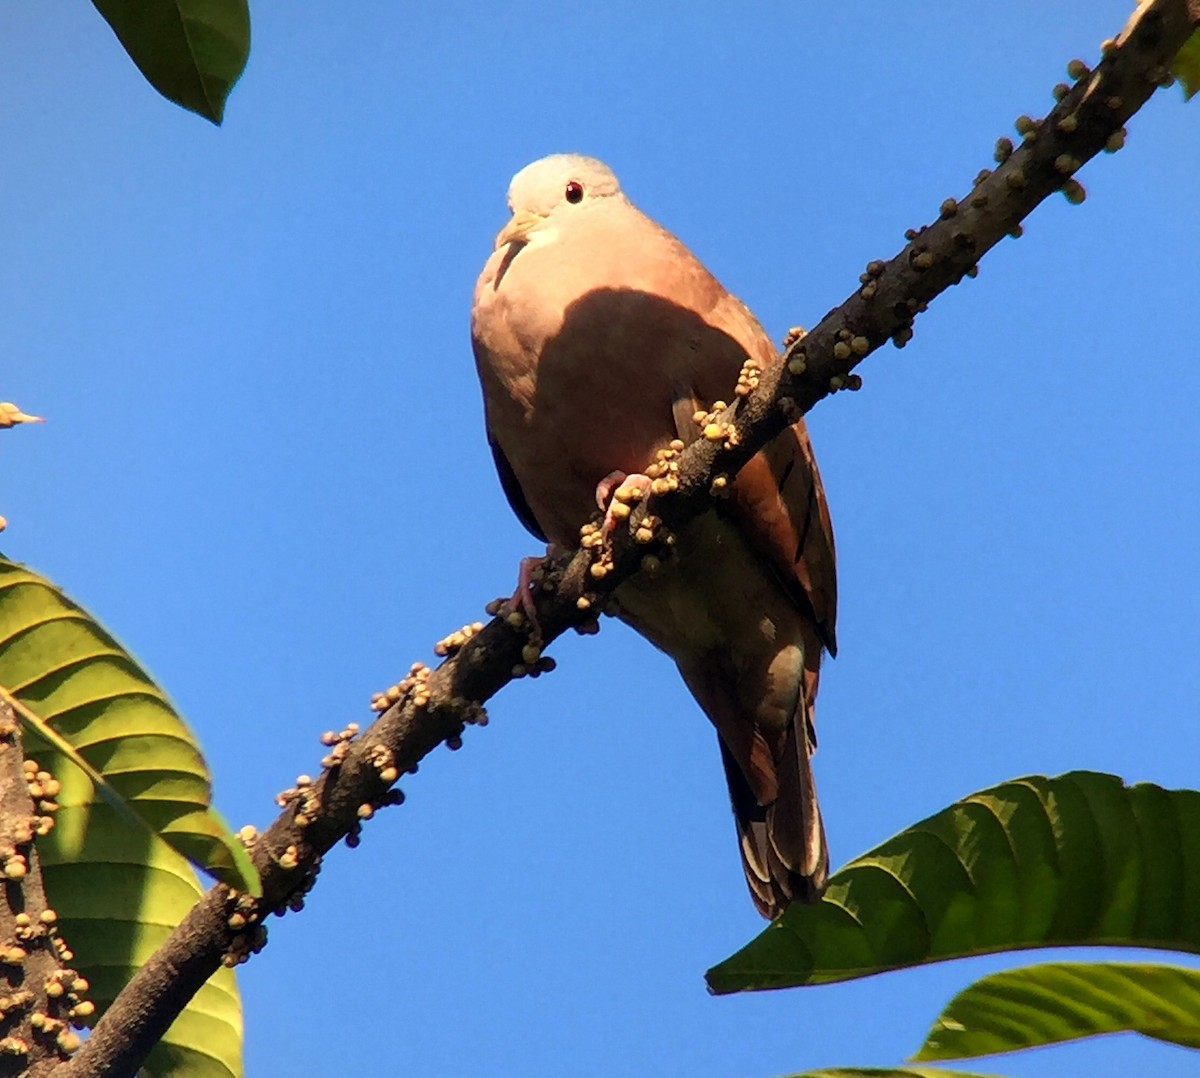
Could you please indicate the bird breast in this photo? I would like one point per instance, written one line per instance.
(580, 373)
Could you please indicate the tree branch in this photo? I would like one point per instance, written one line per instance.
(433, 706)
(40, 997)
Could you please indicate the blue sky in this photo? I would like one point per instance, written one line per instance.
(264, 468)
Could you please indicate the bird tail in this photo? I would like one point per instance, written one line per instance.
(784, 852)
(771, 788)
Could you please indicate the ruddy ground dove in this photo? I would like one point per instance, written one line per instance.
(598, 337)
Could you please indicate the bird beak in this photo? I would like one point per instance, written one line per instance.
(517, 230)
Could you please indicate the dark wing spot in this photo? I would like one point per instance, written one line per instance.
(810, 511)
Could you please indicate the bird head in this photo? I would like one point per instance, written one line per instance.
(541, 193)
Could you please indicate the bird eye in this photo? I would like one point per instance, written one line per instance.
(574, 192)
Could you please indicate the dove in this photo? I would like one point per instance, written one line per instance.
(599, 340)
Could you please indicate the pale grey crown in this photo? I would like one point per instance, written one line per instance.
(542, 186)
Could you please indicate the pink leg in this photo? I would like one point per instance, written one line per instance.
(606, 486)
(522, 598)
(619, 483)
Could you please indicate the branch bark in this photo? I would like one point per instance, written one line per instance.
(429, 707)
(40, 999)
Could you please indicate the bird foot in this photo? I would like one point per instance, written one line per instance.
(606, 486)
(522, 599)
(617, 493)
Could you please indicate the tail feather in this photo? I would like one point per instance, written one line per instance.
(794, 820)
(783, 848)
(771, 788)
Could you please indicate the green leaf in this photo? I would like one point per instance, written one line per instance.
(1186, 67)
(100, 723)
(886, 1072)
(134, 799)
(118, 896)
(1036, 862)
(191, 51)
(1062, 1001)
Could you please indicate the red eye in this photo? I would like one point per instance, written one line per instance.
(574, 192)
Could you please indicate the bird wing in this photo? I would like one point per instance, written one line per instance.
(512, 489)
(777, 498)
